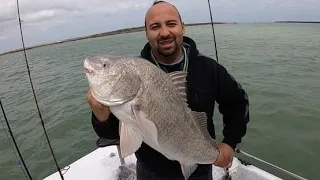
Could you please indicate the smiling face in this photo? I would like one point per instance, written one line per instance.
(164, 30)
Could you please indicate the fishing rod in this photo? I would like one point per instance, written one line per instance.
(238, 150)
(213, 32)
(34, 95)
(227, 176)
(14, 141)
(272, 165)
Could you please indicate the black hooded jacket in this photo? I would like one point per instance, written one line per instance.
(207, 82)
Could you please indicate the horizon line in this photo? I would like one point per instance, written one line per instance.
(132, 30)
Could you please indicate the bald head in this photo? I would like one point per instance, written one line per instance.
(162, 4)
(164, 31)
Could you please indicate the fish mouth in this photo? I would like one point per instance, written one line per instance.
(88, 71)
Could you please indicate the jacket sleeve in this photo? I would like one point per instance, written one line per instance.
(234, 106)
(108, 129)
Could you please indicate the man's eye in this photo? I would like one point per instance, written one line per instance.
(154, 27)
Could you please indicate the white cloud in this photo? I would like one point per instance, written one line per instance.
(58, 12)
(7, 11)
(50, 20)
(40, 15)
(31, 8)
(3, 37)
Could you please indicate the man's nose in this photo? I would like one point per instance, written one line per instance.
(164, 31)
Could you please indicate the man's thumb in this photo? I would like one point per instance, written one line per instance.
(229, 165)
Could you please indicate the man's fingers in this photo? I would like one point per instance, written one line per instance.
(228, 162)
(89, 95)
(223, 162)
(230, 158)
(225, 157)
(220, 160)
(229, 165)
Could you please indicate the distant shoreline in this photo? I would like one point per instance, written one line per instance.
(127, 30)
(312, 22)
(110, 33)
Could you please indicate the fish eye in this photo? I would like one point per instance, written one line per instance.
(104, 65)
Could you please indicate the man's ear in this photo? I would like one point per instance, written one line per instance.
(183, 28)
(146, 34)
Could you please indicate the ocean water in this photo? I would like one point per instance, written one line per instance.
(277, 64)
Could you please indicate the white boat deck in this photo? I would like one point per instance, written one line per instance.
(103, 164)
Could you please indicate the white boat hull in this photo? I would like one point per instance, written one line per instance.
(103, 164)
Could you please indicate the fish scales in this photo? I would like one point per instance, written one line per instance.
(159, 103)
(152, 108)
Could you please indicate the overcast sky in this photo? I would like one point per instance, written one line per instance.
(47, 21)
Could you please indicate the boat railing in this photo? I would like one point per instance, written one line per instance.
(101, 142)
(269, 164)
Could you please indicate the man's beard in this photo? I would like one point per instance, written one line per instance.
(168, 52)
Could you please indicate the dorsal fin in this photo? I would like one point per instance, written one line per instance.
(179, 80)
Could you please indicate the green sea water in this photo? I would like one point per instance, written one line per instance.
(277, 64)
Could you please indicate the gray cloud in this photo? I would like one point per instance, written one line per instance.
(31, 8)
(7, 12)
(3, 37)
(47, 21)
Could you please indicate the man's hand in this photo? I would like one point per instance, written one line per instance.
(225, 156)
(100, 111)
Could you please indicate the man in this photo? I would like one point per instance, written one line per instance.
(207, 82)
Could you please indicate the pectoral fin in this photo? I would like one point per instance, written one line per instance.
(188, 169)
(147, 127)
(130, 140)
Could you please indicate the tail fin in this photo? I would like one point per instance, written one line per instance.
(188, 169)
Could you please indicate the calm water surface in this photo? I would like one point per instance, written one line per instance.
(277, 64)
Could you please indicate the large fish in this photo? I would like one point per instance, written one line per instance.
(152, 107)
